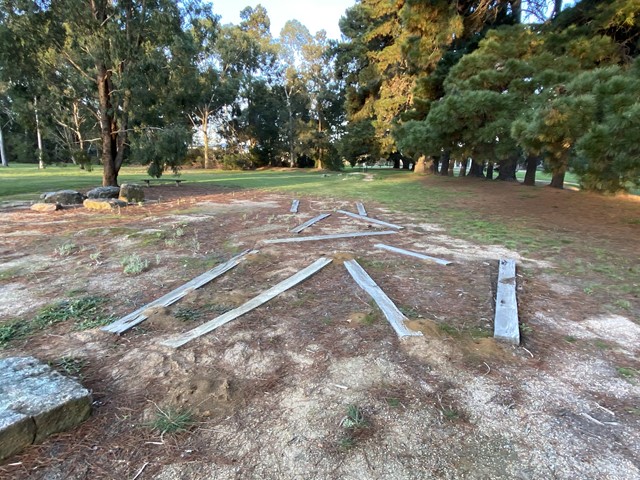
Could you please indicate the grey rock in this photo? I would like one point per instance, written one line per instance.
(64, 197)
(104, 192)
(35, 402)
(132, 193)
(103, 204)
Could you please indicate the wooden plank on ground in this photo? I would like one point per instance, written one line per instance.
(255, 302)
(294, 206)
(370, 220)
(361, 210)
(394, 316)
(506, 319)
(139, 316)
(332, 236)
(402, 251)
(310, 222)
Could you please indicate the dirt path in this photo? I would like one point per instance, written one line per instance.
(270, 391)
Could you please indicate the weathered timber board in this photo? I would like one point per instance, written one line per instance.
(402, 251)
(333, 236)
(255, 302)
(134, 318)
(370, 220)
(394, 316)
(310, 222)
(506, 326)
(294, 206)
(361, 209)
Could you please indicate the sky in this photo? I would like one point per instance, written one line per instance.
(314, 14)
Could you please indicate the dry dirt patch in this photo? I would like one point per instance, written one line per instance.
(269, 391)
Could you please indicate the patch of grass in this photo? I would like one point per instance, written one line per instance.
(450, 414)
(134, 264)
(393, 402)
(370, 318)
(601, 344)
(449, 329)
(187, 314)
(355, 425)
(172, 420)
(480, 332)
(85, 312)
(12, 331)
(629, 374)
(570, 339)
(624, 304)
(65, 249)
(525, 329)
(70, 366)
(10, 273)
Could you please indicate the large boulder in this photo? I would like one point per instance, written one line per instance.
(45, 207)
(104, 192)
(132, 193)
(35, 402)
(103, 204)
(63, 197)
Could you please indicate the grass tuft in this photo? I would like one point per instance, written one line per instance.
(134, 264)
(172, 420)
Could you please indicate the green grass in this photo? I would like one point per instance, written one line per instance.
(172, 420)
(85, 313)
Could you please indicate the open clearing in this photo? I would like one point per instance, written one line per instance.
(270, 392)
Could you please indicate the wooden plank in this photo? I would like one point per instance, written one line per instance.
(370, 220)
(402, 251)
(255, 302)
(294, 206)
(394, 316)
(361, 210)
(310, 222)
(506, 326)
(333, 236)
(131, 320)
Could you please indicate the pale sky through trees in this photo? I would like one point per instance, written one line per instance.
(314, 14)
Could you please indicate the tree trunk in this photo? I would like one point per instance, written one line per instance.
(463, 167)
(433, 167)
(507, 170)
(452, 164)
(420, 166)
(3, 156)
(490, 171)
(530, 176)
(38, 135)
(557, 181)
(405, 164)
(444, 164)
(205, 139)
(477, 169)
(557, 7)
(396, 163)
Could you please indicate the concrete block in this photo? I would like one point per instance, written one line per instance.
(35, 402)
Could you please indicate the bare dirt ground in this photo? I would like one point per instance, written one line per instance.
(270, 391)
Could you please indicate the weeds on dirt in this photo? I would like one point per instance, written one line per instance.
(65, 249)
(355, 426)
(187, 314)
(12, 331)
(70, 366)
(629, 374)
(171, 420)
(134, 264)
(86, 313)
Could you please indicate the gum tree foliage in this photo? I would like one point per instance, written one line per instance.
(127, 61)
